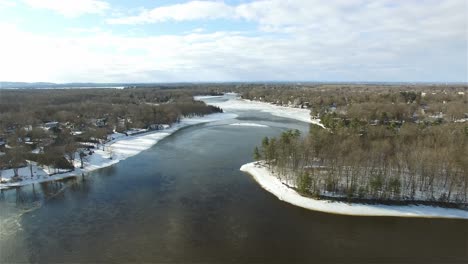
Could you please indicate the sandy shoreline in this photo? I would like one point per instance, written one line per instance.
(273, 185)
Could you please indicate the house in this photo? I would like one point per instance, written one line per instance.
(439, 115)
(374, 122)
(69, 125)
(24, 140)
(51, 125)
(158, 126)
(45, 142)
(135, 131)
(10, 129)
(297, 102)
(332, 108)
(100, 122)
(122, 121)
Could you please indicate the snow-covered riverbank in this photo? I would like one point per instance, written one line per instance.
(272, 184)
(118, 149)
(300, 114)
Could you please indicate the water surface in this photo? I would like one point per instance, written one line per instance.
(185, 200)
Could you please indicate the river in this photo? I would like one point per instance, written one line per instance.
(185, 200)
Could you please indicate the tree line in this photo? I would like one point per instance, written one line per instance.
(411, 163)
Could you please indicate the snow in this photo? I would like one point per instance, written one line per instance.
(39, 175)
(300, 114)
(272, 184)
(36, 151)
(120, 147)
(248, 124)
(203, 97)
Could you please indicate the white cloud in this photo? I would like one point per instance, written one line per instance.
(411, 40)
(86, 30)
(318, 16)
(179, 12)
(198, 30)
(6, 3)
(70, 8)
(220, 56)
(336, 21)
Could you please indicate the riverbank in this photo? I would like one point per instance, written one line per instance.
(272, 184)
(119, 148)
(300, 114)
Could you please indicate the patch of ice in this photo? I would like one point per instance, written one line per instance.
(248, 124)
(272, 184)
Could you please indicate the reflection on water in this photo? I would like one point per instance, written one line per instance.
(185, 200)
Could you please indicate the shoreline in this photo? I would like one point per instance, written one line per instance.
(300, 114)
(120, 148)
(273, 185)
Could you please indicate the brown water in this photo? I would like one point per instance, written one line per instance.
(185, 201)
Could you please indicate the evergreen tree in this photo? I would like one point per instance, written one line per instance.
(304, 182)
(256, 155)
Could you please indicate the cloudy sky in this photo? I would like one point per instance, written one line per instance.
(233, 40)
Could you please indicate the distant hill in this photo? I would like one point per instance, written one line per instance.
(19, 85)
(50, 85)
(161, 85)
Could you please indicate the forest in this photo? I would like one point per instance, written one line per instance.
(377, 145)
(52, 126)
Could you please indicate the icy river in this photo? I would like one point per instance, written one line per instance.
(185, 200)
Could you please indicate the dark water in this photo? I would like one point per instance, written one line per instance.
(185, 200)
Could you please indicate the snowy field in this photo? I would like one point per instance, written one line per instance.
(276, 110)
(120, 148)
(272, 184)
